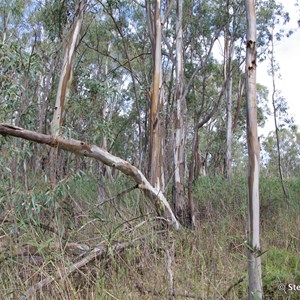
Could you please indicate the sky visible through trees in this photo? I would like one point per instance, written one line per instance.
(149, 100)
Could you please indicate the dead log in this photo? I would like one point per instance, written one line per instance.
(96, 253)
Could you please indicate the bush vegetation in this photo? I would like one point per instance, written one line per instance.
(44, 232)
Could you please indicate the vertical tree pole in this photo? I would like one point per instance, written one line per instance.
(275, 68)
(156, 128)
(254, 261)
(64, 83)
(228, 55)
(179, 149)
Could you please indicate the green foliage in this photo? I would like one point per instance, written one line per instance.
(281, 268)
(55, 15)
(213, 255)
(289, 150)
(110, 101)
(220, 196)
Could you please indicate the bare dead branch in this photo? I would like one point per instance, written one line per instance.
(93, 151)
(96, 253)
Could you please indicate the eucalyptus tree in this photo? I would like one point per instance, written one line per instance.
(201, 75)
(21, 63)
(65, 81)
(180, 115)
(156, 171)
(234, 16)
(254, 259)
(279, 105)
(289, 143)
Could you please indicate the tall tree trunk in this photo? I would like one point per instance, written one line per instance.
(228, 55)
(228, 75)
(198, 124)
(106, 170)
(238, 104)
(156, 119)
(254, 260)
(273, 68)
(64, 85)
(180, 111)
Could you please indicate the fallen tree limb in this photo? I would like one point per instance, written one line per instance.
(93, 151)
(96, 253)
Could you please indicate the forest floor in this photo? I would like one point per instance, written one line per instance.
(81, 241)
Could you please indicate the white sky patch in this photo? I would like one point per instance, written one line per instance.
(287, 56)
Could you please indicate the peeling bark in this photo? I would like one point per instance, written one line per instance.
(64, 85)
(179, 149)
(156, 170)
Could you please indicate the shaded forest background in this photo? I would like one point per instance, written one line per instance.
(57, 208)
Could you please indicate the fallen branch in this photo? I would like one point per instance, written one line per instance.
(93, 151)
(96, 253)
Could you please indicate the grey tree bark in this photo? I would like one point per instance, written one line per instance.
(254, 259)
(180, 111)
(228, 55)
(156, 170)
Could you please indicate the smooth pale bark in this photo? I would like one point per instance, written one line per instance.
(64, 87)
(103, 115)
(156, 169)
(93, 151)
(254, 259)
(179, 149)
(229, 46)
(228, 155)
(66, 72)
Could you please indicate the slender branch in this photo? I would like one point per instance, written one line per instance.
(167, 12)
(233, 286)
(212, 112)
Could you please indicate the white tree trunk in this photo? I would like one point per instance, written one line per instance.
(64, 87)
(156, 118)
(66, 73)
(228, 54)
(254, 260)
(228, 75)
(179, 147)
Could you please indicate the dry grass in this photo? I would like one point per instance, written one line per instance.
(207, 262)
